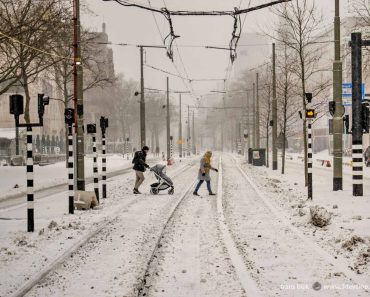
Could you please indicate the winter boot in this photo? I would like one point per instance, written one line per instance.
(195, 193)
(136, 191)
(212, 194)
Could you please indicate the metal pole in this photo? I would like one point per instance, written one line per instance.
(274, 112)
(142, 101)
(339, 110)
(257, 114)
(254, 117)
(95, 168)
(171, 147)
(168, 122)
(71, 192)
(357, 167)
(189, 137)
(30, 203)
(17, 141)
(193, 136)
(309, 158)
(104, 166)
(80, 146)
(180, 129)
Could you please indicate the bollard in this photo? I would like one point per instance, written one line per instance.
(104, 168)
(95, 168)
(30, 200)
(309, 158)
(70, 171)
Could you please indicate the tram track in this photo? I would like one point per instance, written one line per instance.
(261, 218)
(83, 240)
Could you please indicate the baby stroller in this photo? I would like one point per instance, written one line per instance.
(164, 182)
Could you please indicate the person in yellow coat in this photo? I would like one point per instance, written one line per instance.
(203, 174)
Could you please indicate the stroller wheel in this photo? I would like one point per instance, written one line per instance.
(171, 191)
(153, 191)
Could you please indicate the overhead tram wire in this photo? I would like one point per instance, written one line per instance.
(172, 36)
(191, 90)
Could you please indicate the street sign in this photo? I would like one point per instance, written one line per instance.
(347, 93)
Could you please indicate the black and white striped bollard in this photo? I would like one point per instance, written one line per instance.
(70, 171)
(95, 168)
(357, 168)
(309, 158)
(30, 200)
(104, 168)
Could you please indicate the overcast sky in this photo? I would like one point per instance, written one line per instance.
(136, 26)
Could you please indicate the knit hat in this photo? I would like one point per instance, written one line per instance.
(145, 148)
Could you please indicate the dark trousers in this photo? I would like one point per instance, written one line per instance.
(200, 183)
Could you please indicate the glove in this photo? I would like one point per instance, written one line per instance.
(216, 170)
(204, 174)
(147, 166)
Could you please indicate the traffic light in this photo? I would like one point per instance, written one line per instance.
(91, 128)
(16, 105)
(310, 114)
(69, 116)
(346, 123)
(332, 107)
(365, 117)
(42, 101)
(308, 97)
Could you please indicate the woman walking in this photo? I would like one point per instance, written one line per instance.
(203, 175)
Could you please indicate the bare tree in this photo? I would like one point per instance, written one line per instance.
(298, 28)
(286, 94)
(33, 25)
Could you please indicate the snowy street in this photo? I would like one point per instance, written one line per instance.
(177, 246)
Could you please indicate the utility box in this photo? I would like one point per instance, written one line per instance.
(258, 157)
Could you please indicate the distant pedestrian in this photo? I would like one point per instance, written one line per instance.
(204, 173)
(163, 157)
(140, 166)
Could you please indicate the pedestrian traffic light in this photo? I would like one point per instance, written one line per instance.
(16, 105)
(365, 117)
(310, 114)
(69, 116)
(91, 128)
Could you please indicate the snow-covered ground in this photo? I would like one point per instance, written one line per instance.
(50, 175)
(254, 239)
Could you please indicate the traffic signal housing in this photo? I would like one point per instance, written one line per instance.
(16, 105)
(91, 128)
(42, 101)
(310, 114)
(69, 116)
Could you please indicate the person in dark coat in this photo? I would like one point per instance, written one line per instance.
(203, 174)
(140, 166)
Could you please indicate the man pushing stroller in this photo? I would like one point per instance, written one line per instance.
(140, 166)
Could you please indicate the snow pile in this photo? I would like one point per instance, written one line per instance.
(320, 217)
